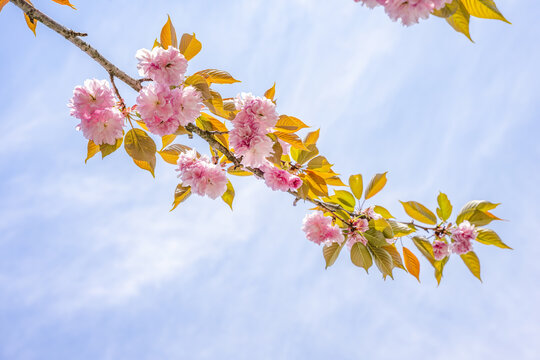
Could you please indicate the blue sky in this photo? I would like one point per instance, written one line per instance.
(93, 265)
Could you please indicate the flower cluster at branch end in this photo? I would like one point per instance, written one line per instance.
(279, 179)
(204, 177)
(166, 104)
(94, 104)
(319, 229)
(251, 125)
(463, 236)
(408, 11)
(359, 226)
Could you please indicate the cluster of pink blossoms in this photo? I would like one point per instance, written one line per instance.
(164, 105)
(463, 235)
(319, 229)
(204, 177)
(94, 105)
(279, 179)
(359, 226)
(408, 11)
(250, 128)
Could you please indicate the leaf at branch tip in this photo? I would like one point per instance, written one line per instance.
(412, 263)
(419, 212)
(445, 207)
(190, 46)
(180, 194)
(471, 260)
(357, 185)
(146, 165)
(331, 253)
(460, 21)
(65, 2)
(107, 149)
(485, 9)
(490, 237)
(228, 196)
(292, 139)
(214, 76)
(376, 184)
(383, 212)
(361, 257)
(289, 124)
(168, 35)
(270, 93)
(92, 149)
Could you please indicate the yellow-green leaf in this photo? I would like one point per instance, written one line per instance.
(412, 263)
(168, 35)
(357, 185)
(316, 183)
(180, 194)
(383, 260)
(270, 93)
(214, 76)
(92, 149)
(200, 83)
(146, 165)
(107, 149)
(375, 185)
(320, 164)
(331, 253)
(471, 260)
(292, 139)
(399, 229)
(166, 140)
(419, 212)
(460, 20)
(334, 181)
(170, 153)
(360, 256)
(346, 199)
(289, 124)
(383, 212)
(490, 237)
(445, 207)
(485, 9)
(374, 237)
(397, 262)
(447, 10)
(425, 248)
(189, 46)
(238, 171)
(140, 146)
(228, 196)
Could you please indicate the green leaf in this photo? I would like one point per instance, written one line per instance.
(375, 185)
(383, 260)
(375, 238)
(360, 256)
(425, 248)
(490, 237)
(383, 212)
(471, 260)
(419, 212)
(439, 267)
(107, 149)
(331, 253)
(180, 194)
(485, 9)
(396, 257)
(477, 213)
(412, 263)
(445, 207)
(400, 229)
(357, 185)
(140, 146)
(228, 196)
(460, 21)
(383, 226)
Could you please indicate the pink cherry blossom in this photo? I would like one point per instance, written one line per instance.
(92, 96)
(410, 11)
(103, 126)
(370, 213)
(249, 140)
(166, 67)
(279, 179)
(440, 249)
(262, 109)
(204, 177)
(463, 235)
(371, 3)
(189, 105)
(319, 229)
(156, 105)
(360, 226)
